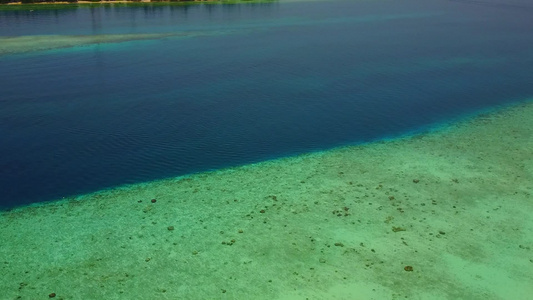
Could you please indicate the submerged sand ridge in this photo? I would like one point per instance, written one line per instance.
(22, 44)
(444, 215)
(34, 43)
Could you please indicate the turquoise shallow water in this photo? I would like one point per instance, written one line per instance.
(234, 84)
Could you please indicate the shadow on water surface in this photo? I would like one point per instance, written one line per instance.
(56, 19)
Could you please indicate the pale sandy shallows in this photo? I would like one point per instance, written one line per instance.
(455, 205)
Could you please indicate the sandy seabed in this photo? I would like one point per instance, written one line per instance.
(442, 215)
(33, 43)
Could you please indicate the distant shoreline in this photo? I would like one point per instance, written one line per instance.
(20, 3)
(77, 2)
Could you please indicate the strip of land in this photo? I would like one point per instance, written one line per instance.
(46, 2)
(442, 215)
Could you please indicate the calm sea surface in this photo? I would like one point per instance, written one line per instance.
(235, 84)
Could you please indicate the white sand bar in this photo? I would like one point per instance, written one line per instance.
(456, 205)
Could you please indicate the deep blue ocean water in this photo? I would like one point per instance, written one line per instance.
(245, 83)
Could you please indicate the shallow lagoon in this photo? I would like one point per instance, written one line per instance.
(444, 215)
(429, 196)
